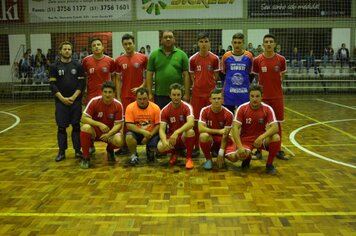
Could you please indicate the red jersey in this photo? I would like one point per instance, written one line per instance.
(131, 70)
(175, 117)
(253, 122)
(98, 72)
(203, 69)
(219, 120)
(107, 114)
(269, 74)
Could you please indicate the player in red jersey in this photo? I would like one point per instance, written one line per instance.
(131, 69)
(99, 68)
(176, 127)
(214, 126)
(255, 126)
(204, 70)
(270, 69)
(102, 121)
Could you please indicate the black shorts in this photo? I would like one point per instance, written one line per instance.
(152, 143)
(66, 115)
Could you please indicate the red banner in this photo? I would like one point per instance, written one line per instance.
(11, 11)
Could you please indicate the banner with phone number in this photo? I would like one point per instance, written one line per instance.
(79, 10)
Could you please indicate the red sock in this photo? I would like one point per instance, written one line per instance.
(206, 147)
(189, 144)
(85, 141)
(273, 148)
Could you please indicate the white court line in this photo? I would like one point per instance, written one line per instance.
(336, 104)
(14, 124)
(292, 139)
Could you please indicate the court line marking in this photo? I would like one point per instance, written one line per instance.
(293, 140)
(323, 123)
(14, 108)
(336, 104)
(17, 121)
(160, 215)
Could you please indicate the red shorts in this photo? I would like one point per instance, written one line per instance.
(198, 103)
(229, 148)
(98, 133)
(248, 144)
(278, 107)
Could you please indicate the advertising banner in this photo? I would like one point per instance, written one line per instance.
(185, 9)
(11, 11)
(300, 8)
(79, 10)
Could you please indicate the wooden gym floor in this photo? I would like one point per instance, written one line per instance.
(314, 193)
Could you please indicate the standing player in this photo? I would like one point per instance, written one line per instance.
(236, 65)
(270, 69)
(255, 126)
(98, 67)
(169, 65)
(102, 120)
(176, 127)
(214, 126)
(131, 68)
(66, 79)
(204, 70)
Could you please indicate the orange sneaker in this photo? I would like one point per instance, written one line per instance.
(189, 163)
(173, 159)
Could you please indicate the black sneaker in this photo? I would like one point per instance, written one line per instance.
(257, 155)
(122, 151)
(282, 156)
(150, 155)
(110, 154)
(60, 157)
(245, 164)
(79, 155)
(85, 163)
(271, 170)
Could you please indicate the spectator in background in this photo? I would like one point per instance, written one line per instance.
(343, 55)
(251, 49)
(148, 50)
(220, 51)
(310, 61)
(40, 58)
(50, 56)
(328, 55)
(279, 49)
(142, 50)
(39, 74)
(229, 48)
(296, 59)
(25, 68)
(259, 50)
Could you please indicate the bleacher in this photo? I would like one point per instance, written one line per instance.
(20, 90)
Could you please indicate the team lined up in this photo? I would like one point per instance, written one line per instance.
(164, 120)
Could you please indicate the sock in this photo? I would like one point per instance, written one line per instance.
(196, 130)
(85, 141)
(206, 147)
(189, 144)
(273, 149)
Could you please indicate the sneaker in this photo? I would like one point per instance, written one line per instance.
(92, 150)
(282, 156)
(245, 164)
(85, 163)
(257, 155)
(60, 157)
(122, 151)
(214, 153)
(208, 165)
(150, 155)
(79, 155)
(196, 152)
(271, 170)
(189, 163)
(110, 154)
(134, 159)
(173, 160)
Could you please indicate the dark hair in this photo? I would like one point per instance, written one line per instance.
(141, 91)
(215, 91)
(238, 36)
(176, 86)
(255, 87)
(108, 84)
(203, 35)
(96, 39)
(269, 36)
(127, 37)
(65, 43)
